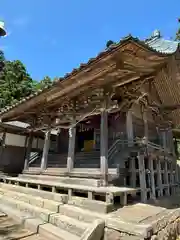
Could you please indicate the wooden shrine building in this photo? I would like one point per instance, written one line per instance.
(114, 116)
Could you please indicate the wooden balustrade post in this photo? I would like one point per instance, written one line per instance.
(153, 190)
(166, 176)
(159, 177)
(142, 177)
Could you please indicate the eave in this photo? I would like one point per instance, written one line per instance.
(104, 64)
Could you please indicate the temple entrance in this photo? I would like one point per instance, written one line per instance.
(85, 140)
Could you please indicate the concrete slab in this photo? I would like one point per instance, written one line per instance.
(139, 212)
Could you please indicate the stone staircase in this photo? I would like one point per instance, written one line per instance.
(82, 160)
(11, 229)
(87, 159)
(47, 214)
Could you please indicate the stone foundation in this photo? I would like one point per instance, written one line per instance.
(169, 232)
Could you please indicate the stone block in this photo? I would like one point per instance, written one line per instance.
(92, 205)
(129, 228)
(51, 205)
(79, 213)
(68, 224)
(33, 224)
(35, 192)
(36, 201)
(95, 231)
(25, 207)
(52, 232)
(15, 214)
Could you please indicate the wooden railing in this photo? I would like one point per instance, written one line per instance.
(34, 157)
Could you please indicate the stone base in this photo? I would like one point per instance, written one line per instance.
(143, 221)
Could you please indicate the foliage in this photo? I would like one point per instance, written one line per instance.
(178, 32)
(2, 59)
(15, 82)
(45, 82)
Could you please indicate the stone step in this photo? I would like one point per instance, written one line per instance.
(66, 180)
(79, 213)
(24, 220)
(52, 232)
(10, 229)
(15, 214)
(22, 217)
(35, 201)
(35, 192)
(35, 237)
(34, 211)
(68, 224)
(92, 205)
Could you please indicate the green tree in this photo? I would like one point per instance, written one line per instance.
(45, 82)
(178, 32)
(2, 60)
(15, 82)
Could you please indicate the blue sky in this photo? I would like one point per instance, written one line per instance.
(53, 37)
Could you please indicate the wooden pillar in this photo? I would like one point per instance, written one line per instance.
(171, 143)
(153, 190)
(142, 177)
(166, 175)
(133, 172)
(129, 128)
(2, 146)
(28, 151)
(71, 148)
(164, 139)
(104, 146)
(45, 150)
(159, 177)
(176, 172)
(145, 119)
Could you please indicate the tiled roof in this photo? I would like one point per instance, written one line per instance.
(155, 43)
(159, 44)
